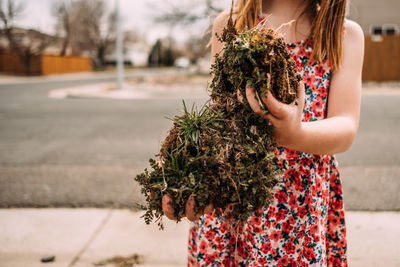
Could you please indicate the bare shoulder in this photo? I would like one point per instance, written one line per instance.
(353, 32)
(353, 50)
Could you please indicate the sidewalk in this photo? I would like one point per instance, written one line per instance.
(94, 237)
(129, 73)
(10, 79)
(178, 91)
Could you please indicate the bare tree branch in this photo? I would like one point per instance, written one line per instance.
(177, 16)
(9, 12)
(62, 14)
(213, 8)
(87, 26)
(183, 15)
(25, 43)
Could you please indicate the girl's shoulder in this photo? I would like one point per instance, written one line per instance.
(353, 50)
(352, 31)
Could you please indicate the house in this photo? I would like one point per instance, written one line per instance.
(29, 39)
(380, 21)
(31, 52)
(376, 17)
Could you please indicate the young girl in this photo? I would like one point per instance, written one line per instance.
(305, 223)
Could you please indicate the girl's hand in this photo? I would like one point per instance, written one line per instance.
(189, 209)
(168, 210)
(286, 118)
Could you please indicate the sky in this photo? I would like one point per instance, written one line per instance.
(136, 14)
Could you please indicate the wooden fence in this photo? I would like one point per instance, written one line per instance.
(58, 64)
(11, 63)
(43, 65)
(382, 59)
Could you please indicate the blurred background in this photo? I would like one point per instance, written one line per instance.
(76, 126)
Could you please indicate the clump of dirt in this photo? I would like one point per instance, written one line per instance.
(223, 153)
(119, 261)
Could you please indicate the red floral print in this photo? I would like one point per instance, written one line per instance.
(305, 223)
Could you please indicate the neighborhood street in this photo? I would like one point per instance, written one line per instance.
(86, 151)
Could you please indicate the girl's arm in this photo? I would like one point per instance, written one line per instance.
(336, 133)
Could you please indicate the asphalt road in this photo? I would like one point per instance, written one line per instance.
(85, 152)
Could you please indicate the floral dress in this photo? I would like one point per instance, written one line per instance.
(305, 224)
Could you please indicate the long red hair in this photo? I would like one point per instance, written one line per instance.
(326, 28)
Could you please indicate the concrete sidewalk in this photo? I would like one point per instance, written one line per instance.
(129, 73)
(94, 237)
(10, 79)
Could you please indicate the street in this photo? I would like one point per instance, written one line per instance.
(86, 152)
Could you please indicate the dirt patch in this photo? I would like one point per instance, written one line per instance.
(120, 261)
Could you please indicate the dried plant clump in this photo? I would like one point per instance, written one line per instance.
(223, 153)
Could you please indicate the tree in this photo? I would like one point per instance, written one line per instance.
(161, 55)
(155, 54)
(9, 12)
(64, 24)
(24, 43)
(196, 47)
(86, 26)
(185, 15)
(99, 31)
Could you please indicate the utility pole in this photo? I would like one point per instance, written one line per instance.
(119, 52)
